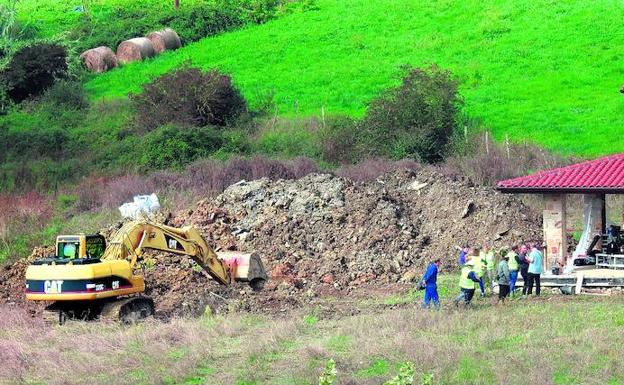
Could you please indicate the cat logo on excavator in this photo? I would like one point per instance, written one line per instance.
(52, 287)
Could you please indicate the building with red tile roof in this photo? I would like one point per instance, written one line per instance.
(599, 176)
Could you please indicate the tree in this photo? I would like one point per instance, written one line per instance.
(415, 120)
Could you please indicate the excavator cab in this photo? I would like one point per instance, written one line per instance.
(76, 249)
(80, 246)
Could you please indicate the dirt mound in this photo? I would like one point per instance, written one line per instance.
(322, 235)
(12, 280)
(324, 230)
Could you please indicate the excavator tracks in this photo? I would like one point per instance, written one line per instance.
(128, 310)
(60, 312)
(53, 317)
(124, 310)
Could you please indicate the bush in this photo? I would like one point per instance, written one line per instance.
(328, 377)
(195, 23)
(174, 147)
(188, 97)
(339, 139)
(32, 144)
(415, 120)
(66, 95)
(33, 69)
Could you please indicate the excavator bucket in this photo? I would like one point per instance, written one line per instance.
(245, 267)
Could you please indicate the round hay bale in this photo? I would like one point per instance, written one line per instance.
(166, 39)
(139, 48)
(100, 59)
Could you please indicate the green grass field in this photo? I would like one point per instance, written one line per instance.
(541, 71)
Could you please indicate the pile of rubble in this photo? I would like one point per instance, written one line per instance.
(13, 282)
(324, 230)
(322, 234)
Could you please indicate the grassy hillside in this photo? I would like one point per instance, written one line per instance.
(540, 70)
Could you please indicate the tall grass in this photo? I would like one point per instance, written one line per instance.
(535, 70)
(539, 342)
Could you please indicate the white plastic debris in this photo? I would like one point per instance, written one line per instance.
(142, 206)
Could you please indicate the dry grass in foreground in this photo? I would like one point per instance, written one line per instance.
(556, 340)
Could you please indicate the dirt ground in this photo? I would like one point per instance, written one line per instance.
(323, 236)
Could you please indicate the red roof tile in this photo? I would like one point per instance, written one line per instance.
(604, 175)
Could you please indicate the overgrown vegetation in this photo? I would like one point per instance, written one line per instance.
(188, 115)
(89, 24)
(415, 120)
(33, 69)
(188, 97)
(369, 345)
(27, 26)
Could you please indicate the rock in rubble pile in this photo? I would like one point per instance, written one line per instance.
(325, 230)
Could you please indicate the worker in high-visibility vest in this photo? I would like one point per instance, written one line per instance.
(479, 268)
(513, 268)
(468, 282)
(490, 260)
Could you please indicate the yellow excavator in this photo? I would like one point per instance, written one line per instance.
(88, 279)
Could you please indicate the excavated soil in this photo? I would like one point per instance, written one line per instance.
(325, 236)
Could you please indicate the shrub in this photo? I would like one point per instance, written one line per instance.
(174, 147)
(99, 193)
(66, 95)
(188, 97)
(416, 120)
(405, 376)
(197, 22)
(33, 69)
(45, 142)
(339, 139)
(20, 215)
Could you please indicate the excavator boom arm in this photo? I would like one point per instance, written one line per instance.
(133, 237)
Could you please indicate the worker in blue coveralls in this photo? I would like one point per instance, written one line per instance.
(429, 281)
